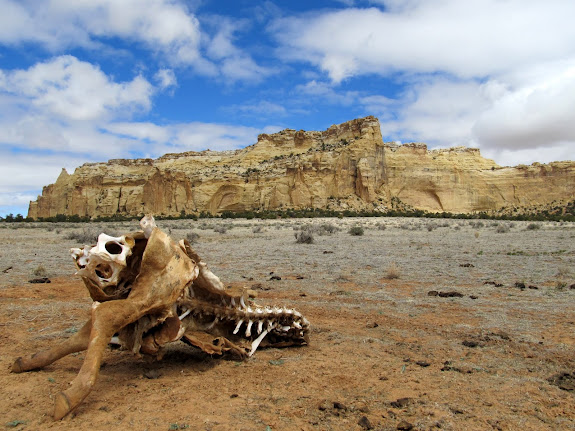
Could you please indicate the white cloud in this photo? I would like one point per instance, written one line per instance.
(233, 63)
(166, 78)
(326, 92)
(258, 109)
(468, 39)
(161, 25)
(487, 73)
(531, 116)
(70, 89)
(194, 136)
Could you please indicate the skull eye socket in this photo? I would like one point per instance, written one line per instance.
(104, 271)
(113, 247)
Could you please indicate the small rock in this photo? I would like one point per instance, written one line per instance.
(473, 296)
(451, 294)
(467, 265)
(404, 426)
(40, 280)
(275, 277)
(151, 374)
(520, 285)
(372, 325)
(565, 381)
(400, 403)
(432, 293)
(423, 364)
(234, 395)
(470, 343)
(532, 287)
(339, 406)
(327, 252)
(365, 423)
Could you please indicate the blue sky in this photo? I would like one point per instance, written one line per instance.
(91, 80)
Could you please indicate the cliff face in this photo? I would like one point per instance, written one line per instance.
(347, 166)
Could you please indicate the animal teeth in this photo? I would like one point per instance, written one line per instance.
(297, 325)
(286, 328)
(238, 326)
(233, 302)
(184, 314)
(249, 328)
(242, 303)
(260, 326)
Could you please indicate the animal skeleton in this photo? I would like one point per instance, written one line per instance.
(149, 291)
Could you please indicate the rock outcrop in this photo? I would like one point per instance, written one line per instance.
(348, 166)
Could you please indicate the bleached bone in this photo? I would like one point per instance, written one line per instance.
(104, 262)
(152, 291)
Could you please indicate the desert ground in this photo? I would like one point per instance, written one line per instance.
(417, 324)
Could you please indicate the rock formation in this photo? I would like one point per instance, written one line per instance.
(348, 166)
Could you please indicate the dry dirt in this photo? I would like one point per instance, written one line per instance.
(384, 353)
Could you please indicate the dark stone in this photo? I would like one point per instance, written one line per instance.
(152, 374)
(365, 423)
(404, 426)
(470, 343)
(400, 403)
(40, 280)
(565, 381)
(339, 406)
(451, 294)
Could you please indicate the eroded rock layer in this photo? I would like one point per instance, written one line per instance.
(348, 166)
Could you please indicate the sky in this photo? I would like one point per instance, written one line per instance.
(93, 80)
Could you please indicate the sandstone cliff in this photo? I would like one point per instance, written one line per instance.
(348, 166)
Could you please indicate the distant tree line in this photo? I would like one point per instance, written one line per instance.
(563, 213)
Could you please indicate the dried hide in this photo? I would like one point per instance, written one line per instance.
(149, 291)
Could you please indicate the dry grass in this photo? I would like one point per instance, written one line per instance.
(392, 271)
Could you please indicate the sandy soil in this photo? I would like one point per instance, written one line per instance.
(385, 354)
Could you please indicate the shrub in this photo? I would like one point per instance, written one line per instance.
(304, 237)
(327, 229)
(192, 237)
(502, 228)
(87, 236)
(220, 229)
(381, 226)
(257, 229)
(533, 226)
(40, 271)
(392, 272)
(356, 231)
